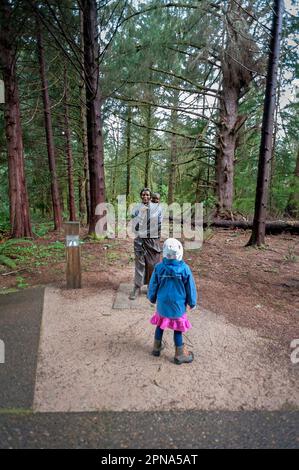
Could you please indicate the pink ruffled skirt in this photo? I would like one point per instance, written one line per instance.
(178, 324)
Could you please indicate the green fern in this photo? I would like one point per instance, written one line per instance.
(15, 241)
(6, 251)
(6, 261)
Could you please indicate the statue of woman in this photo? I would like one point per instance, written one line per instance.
(147, 219)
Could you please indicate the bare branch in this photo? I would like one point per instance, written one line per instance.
(156, 105)
(185, 79)
(253, 17)
(172, 87)
(190, 137)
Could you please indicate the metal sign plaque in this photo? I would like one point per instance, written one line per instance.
(72, 240)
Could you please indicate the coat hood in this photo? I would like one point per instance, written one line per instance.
(173, 266)
(173, 249)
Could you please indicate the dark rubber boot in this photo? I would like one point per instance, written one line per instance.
(182, 355)
(158, 346)
(135, 292)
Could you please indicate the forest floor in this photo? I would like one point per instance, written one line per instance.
(250, 287)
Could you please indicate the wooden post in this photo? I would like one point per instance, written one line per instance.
(2, 100)
(73, 265)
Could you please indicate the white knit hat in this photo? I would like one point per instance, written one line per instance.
(173, 249)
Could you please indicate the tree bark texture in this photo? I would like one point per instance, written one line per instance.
(261, 198)
(49, 131)
(128, 152)
(84, 126)
(18, 196)
(93, 114)
(69, 153)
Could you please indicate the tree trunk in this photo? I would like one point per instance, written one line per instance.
(93, 104)
(198, 188)
(227, 144)
(115, 169)
(238, 49)
(49, 132)
(18, 196)
(272, 165)
(173, 153)
(292, 208)
(128, 152)
(173, 160)
(61, 196)
(84, 125)
(81, 197)
(69, 154)
(147, 145)
(172, 168)
(43, 205)
(261, 198)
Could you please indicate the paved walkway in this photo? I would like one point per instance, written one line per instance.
(151, 430)
(20, 321)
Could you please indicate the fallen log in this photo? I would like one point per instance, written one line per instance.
(272, 227)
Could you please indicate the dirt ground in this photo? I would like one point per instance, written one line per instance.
(95, 354)
(253, 288)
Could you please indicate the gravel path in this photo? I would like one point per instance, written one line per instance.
(93, 357)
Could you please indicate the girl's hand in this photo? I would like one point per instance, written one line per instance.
(192, 308)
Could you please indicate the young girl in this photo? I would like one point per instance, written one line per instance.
(172, 286)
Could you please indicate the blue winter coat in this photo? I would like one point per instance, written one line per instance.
(172, 286)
